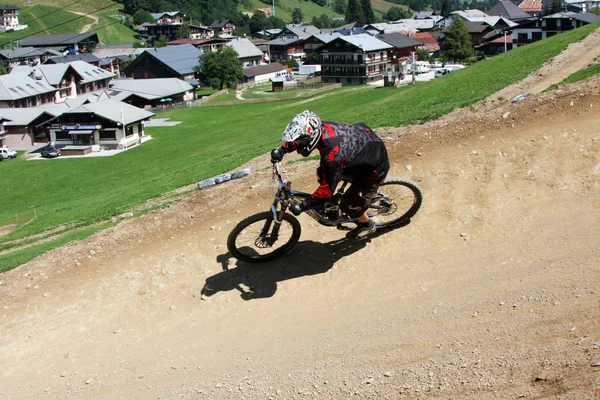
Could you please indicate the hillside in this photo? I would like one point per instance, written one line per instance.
(56, 17)
(489, 293)
(284, 8)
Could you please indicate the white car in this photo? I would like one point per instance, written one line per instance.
(7, 152)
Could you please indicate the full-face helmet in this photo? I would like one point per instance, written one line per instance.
(305, 129)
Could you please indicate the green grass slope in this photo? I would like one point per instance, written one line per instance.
(50, 20)
(212, 140)
(284, 8)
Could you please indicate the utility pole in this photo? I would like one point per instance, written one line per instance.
(273, 7)
(413, 67)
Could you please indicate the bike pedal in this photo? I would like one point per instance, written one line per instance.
(343, 228)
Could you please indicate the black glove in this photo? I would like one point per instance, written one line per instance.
(297, 208)
(277, 155)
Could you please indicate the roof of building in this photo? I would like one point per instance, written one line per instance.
(19, 85)
(508, 9)
(26, 115)
(113, 110)
(150, 89)
(423, 14)
(118, 52)
(327, 37)
(169, 13)
(303, 31)
(469, 15)
(9, 8)
(219, 23)
(181, 58)
(87, 57)
(355, 31)
(398, 40)
(57, 40)
(428, 40)
(54, 73)
(366, 42)
(23, 52)
(531, 6)
(587, 18)
(281, 41)
(263, 69)
(245, 48)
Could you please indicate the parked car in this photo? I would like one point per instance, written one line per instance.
(441, 71)
(7, 152)
(50, 152)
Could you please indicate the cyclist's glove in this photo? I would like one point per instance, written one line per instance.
(277, 155)
(298, 208)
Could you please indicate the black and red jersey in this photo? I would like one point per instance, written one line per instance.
(353, 149)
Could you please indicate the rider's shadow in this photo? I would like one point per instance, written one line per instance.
(255, 281)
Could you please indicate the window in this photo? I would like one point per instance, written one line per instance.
(129, 131)
(63, 135)
(107, 135)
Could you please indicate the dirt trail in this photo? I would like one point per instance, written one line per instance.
(87, 27)
(490, 293)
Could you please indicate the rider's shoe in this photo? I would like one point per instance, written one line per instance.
(362, 230)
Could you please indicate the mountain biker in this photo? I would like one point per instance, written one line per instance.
(351, 149)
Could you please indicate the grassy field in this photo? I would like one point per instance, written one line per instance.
(85, 6)
(284, 8)
(50, 20)
(213, 140)
(383, 6)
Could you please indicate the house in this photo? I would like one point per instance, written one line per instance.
(73, 43)
(105, 122)
(477, 30)
(473, 15)
(201, 32)
(144, 93)
(315, 42)
(495, 42)
(402, 47)
(535, 7)
(293, 32)
(89, 58)
(166, 62)
(428, 41)
(22, 125)
(550, 25)
(9, 19)
(263, 73)
(267, 33)
(581, 6)
(266, 11)
(222, 27)
(248, 53)
(354, 60)
(169, 17)
(26, 56)
(69, 81)
(425, 15)
(25, 90)
(153, 32)
(508, 9)
(283, 49)
(207, 45)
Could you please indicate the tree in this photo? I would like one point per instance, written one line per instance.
(457, 43)
(423, 54)
(142, 16)
(161, 41)
(367, 12)
(354, 13)
(339, 6)
(183, 32)
(220, 69)
(297, 16)
(258, 22)
(446, 8)
(396, 13)
(3, 70)
(276, 22)
(595, 10)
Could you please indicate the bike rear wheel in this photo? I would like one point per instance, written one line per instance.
(253, 240)
(397, 201)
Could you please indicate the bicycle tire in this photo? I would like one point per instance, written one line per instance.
(406, 202)
(249, 251)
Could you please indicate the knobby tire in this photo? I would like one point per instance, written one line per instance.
(248, 253)
(407, 202)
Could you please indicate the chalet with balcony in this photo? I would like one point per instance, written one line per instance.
(26, 56)
(402, 47)
(208, 45)
(282, 49)
(73, 43)
(166, 62)
(248, 53)
(223, 27)
(354, 60)
(9, 19)
(169, 18)
(550, 25)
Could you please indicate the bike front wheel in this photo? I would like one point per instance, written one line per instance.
(254, 238)
(397, 201)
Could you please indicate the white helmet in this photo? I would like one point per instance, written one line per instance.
(305, 124)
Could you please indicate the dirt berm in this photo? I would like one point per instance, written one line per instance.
(491, 292)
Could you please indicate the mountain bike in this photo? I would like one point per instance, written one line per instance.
(268, 235)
